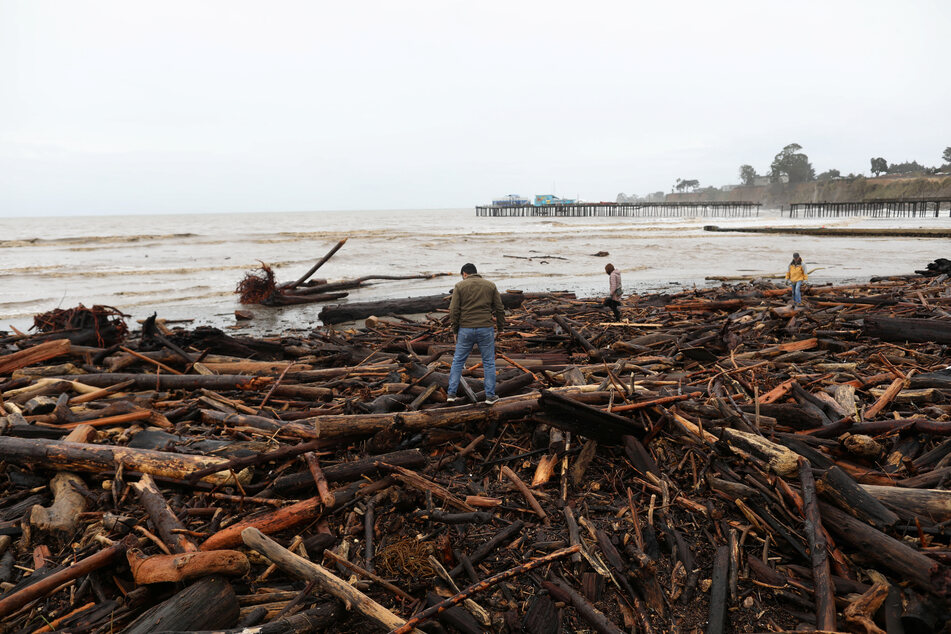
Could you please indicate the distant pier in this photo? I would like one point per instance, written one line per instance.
(875, 208)
(624, 210)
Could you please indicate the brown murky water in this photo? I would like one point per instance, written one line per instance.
(187, 266)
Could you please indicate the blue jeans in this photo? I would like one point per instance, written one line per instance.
(468, 337)
(797, 292)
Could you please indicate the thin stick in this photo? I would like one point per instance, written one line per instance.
(369, 575)
(526, 493)
(274, 387)
(323, 489)
(142, 357)
(658, 401)
(314, 268)
(92, 396)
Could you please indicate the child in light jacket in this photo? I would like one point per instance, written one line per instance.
(614, 297)
(796, 275)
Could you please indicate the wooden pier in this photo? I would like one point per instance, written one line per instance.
(874, 208)
(625, 210)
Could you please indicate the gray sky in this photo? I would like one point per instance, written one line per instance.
(158, 107)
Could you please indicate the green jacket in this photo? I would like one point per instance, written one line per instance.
(474, 303)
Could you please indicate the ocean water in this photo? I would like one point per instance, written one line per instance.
(187, 266)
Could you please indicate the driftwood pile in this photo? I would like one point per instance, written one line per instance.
(259, 286)
(719, 461)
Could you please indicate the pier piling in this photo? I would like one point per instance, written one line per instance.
(624, 210)
(873, 208)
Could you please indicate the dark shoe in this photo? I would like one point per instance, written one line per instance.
(451, 398)
(491, 399)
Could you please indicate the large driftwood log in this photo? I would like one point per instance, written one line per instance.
(821, 575)
(836, 485)
(590, 422)
(427, 304)
(61, 455)
(300, 567)
(334, 425)
(317, 619)
(935, 504)
(940, 379)
(895, 329)
(901, 559)
(173, 381)
(209, 603)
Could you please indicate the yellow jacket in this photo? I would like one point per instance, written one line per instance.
(796, 273)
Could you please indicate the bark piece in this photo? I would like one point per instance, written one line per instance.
(35, 354)
(182, 567)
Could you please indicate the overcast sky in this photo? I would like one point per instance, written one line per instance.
(205, 106)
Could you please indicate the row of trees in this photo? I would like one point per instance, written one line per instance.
(793, 166)
(881, 166)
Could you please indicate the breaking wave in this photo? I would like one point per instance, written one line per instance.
(82, 240)
(58, 272)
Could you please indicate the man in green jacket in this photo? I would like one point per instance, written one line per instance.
(475, 312)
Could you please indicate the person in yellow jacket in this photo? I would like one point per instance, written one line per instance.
(796, 275)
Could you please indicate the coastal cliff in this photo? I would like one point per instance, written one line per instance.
(860, 188)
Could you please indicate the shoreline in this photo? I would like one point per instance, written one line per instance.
(278, 320)
(837, 231)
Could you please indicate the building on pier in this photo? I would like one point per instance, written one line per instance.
(544, 200)
(512, 200)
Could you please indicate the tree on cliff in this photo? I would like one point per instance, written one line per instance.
(829, 175)
(879, 165)
(684, 184)
(793, 164)
(748, 174)
(947, 155)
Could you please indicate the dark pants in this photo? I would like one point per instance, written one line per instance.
(613, 305)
